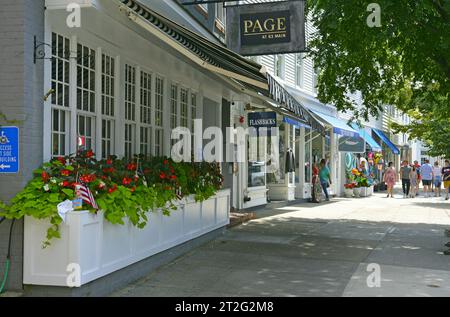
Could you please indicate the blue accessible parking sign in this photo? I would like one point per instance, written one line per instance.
(9, 150)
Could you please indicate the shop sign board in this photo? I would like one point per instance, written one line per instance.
(352, 144)
(267, 28)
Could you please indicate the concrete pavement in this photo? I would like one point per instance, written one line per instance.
(319, 250)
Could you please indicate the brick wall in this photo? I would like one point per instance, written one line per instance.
(21, 99)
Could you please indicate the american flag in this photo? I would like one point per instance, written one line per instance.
(86, 194)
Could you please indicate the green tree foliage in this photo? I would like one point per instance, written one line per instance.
(405, 62)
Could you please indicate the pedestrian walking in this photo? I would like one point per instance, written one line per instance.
(316, 186)
(426, 172)
(446, 177)
(325, 177)
(437, 179)
(414, 179)
(390, 178)
(417, 165)
(405, 170)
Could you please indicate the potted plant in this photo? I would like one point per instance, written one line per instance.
(355, 176)
(348, 189)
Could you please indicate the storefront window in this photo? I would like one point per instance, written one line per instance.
(308, 158)
(257, 149)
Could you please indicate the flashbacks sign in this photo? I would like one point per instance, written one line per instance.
(272, 28)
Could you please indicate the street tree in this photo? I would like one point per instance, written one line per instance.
(395, 52)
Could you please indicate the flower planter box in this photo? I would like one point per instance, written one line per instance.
(366, 191)
(357, 192)
(100, 248)
(348, 192)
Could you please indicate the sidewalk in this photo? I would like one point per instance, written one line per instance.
(318, 250)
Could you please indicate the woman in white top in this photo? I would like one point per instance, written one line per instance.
(437, 179)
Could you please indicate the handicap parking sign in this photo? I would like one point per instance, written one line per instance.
(9, 150)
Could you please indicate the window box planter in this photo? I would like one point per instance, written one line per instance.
(100, 248)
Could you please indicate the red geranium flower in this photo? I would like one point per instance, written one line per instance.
(88, 178)
(109, 162)
(173, 177)
(166, 162)
(126, 181)
(112, 189)
(133, 189)
(89, 154)
(62, 160)
(132, 167)
(66, 184)
(45, 176)
(162, 175)
(65, 173)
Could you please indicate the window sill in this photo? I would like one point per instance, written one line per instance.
(200, 9)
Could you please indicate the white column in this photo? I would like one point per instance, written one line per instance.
(334, 162)
(301, 163)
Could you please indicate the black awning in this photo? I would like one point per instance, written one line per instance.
(219, 59)
(210, 53)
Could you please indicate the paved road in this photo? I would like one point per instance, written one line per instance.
(318, 250)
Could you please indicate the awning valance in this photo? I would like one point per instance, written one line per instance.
(339, 126)
(386, 140)
(368, 138)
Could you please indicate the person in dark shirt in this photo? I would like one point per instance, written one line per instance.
(446, 177)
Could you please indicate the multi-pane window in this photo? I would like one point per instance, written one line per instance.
(145, 145)
(159, 139)
(159, 108)
(59, 132)
(159, 101)
(129, 140)
(108, 105)
(299, 70)
(107, 138)
(86, 130)
(60, 70)
(130, 93)
(60, 118)
(220, 12)
(315, 79)
(193, 110)
(184, 107)
(108, 82)
(173, 106)
(130, 110)
(85, 78)
(146, 98)
(279, 66)
(146, 113)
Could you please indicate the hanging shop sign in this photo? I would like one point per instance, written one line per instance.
(267, 28)
(262, 119)
(352, 145)
(9, 150)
